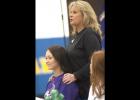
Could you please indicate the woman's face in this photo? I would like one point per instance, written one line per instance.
(75, 16)
(50, 61)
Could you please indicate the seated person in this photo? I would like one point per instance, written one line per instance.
(56, 60)
(97, 73)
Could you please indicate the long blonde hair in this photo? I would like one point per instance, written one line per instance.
(89, 15)
(98, 73)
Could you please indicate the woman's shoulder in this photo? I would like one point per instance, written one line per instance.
(90, 34)
(90, 31)
(71, 86)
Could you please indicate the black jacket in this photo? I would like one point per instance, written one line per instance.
(79, 50)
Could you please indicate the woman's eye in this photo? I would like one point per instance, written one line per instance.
(48, 57)
(74, 12)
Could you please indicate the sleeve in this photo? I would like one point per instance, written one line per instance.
(83, 73)
(71, 92)
(91, 44)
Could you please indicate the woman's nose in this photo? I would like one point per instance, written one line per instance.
(47, 61)
(70, 14)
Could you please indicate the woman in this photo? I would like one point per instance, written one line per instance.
(56, 60)
(86, 38)
(97, 71)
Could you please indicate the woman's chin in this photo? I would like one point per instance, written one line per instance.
(50, 68)
(71, 23)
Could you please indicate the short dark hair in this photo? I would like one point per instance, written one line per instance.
(60, 55)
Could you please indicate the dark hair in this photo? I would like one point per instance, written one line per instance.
(60, 55)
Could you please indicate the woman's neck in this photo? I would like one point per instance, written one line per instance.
(79, 28)
(58, 72)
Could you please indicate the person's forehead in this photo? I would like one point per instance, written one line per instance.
(74, 7)
(48, 52)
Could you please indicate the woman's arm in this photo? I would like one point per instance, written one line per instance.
(69, 78)
(91, 43)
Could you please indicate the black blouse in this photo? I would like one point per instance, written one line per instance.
(79, 50)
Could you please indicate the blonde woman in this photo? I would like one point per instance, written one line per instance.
(97, 76)
(86, 38)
